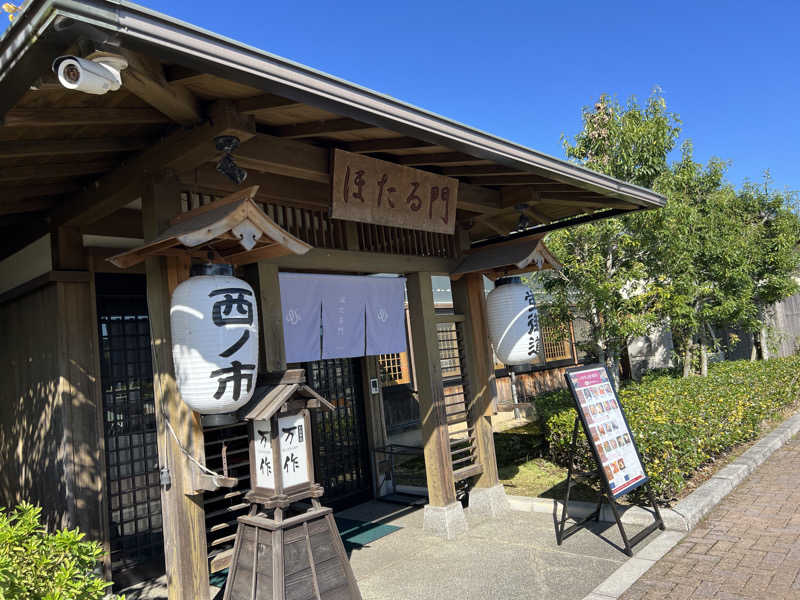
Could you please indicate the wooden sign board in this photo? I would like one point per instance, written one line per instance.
(369, 190)
(606, 428)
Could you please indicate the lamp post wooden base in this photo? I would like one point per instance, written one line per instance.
(298, 558)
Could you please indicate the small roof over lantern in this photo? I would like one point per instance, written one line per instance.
(287, 393)
(233, 230)
(508, 258)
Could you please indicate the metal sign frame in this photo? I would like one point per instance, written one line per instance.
(606, 493)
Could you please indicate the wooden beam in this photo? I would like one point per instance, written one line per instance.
(35, 191)
(579, 202)
(180, 151)
(514, 196)
(561, 189)
(524, 179)
(66, 246)
(494, 227)
(125, 223)
(60, 117)
(265, 103)
(24, 205)
(145, 78)
(319, 128)
(344, 261)
(384, 145)
(98, 259)
(180, 74)
(479, 171)
(435, 435)
(536, 216)
(184, 530)
(475, 198)
(438, 158)
(271, 154)
(53, 171)
(276, 188)
(29, 148)
(42, 280)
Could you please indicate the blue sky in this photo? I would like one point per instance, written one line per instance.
(524, 70)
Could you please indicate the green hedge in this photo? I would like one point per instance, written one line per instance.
(681, 424)
(38, 565)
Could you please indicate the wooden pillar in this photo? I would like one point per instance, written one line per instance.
(376, 423)
(184, 528)
(469, 300)
(438, 462)
(66, 245)
(80, 391)
(269, 293)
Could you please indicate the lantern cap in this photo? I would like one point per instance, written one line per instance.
(211, 269)
(269, 399)
(507, 280)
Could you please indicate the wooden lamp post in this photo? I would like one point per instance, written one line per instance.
(277, 556)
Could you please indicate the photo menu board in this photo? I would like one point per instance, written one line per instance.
(607, 428)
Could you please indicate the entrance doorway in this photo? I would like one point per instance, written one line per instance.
(126, 374)
(341, 451)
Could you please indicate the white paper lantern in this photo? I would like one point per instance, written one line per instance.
(214, 319)
(513, 322)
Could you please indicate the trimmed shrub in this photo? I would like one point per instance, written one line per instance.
(682, 424)
(37, 565)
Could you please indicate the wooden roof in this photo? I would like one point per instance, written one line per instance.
(268, 400)
(508, 258)
(233, 230)
(70, 158)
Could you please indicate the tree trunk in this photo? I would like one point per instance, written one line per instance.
(626, 367)
(687, 359)
(612, 364)
(763, 342)
(703, 357)
(754, 348)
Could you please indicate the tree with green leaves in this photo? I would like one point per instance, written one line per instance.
(698, 249)
(604, 279)
(711, 258)
(773, 226)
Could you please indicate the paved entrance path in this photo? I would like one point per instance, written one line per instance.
(514, 557)
(748, 546)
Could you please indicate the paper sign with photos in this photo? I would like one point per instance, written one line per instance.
(602, 415)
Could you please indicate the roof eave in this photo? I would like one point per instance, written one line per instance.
(196, 48)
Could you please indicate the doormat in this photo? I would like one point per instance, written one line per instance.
(356, 534)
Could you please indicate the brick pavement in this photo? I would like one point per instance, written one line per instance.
(747, 547)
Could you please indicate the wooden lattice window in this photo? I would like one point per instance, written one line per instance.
(555, 347)
(394, 368)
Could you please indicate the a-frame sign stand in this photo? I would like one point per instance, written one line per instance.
(604, 420)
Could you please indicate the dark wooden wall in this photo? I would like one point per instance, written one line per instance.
(32, 460)
(51, 444)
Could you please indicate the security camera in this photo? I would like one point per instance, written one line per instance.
(97, 74)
